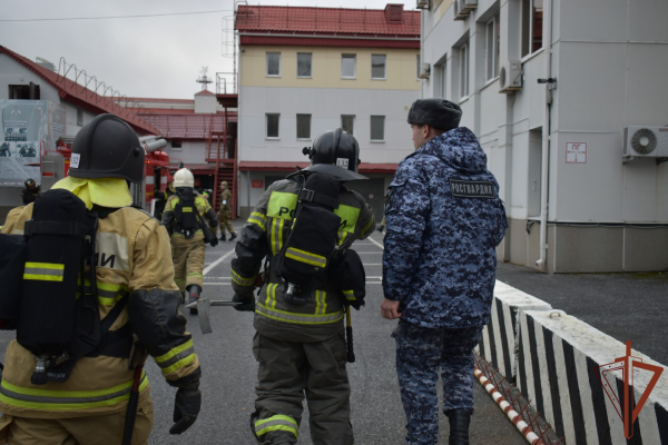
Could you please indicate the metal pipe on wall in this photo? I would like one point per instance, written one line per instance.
(545, 160)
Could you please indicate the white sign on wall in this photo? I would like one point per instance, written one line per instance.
(576, 152)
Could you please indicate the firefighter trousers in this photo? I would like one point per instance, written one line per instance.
(290, 371)
(105, 429)
(188, 257)
(224, 217)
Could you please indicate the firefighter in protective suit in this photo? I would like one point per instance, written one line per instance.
(300, 349)
(134, 272)
(182, 217)
(225, 212)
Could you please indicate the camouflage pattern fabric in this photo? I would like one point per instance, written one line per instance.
(444, 221)
(421, 352)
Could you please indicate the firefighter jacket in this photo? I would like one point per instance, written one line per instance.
(133, 260)
(203, 209)
(444, 221)
(263, 236)
(226, 199)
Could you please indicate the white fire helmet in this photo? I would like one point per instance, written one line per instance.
(184, 178)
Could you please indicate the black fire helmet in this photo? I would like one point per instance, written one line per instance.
(107, 147)
(336, 153)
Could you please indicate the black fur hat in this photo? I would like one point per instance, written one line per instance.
(438, 113)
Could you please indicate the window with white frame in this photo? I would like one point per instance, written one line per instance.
(464, 70)
(492, 43)
(272, 125)
(304, 65)
(440, 72)
(377, 128)
(532, 26)
(303, 126)
(347, 123)
(348, 66)
(273, 64)
(378, 62)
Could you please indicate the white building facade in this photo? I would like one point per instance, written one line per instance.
(317, 70)
(562, 170)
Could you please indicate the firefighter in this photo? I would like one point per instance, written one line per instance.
(183, 218)
(30, 192)
(225, 212)
(300, 346)
(135, 283)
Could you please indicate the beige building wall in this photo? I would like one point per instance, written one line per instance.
(401, 68)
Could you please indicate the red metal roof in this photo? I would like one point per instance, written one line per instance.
(204, 93)
(365, 167)
(79, 95)
(331, 21)
(272, 40)
(187, 126)
(175, 111)
(152, 99)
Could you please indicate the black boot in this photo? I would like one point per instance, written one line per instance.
(194, 292)
(459, 425)
(222, 238)
(234, 235)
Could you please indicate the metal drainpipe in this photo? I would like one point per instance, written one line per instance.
(545, 161)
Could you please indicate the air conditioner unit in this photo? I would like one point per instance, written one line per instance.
(460, 12)
(469, 5)
(425, 69)
(646, 142)
(510, 76)
(423, 4)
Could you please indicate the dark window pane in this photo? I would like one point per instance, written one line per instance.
(304, 64)
(303, 126)
(378, 66)
(537, 26)
(348, 65)
(272, 125)
(526, 26)
(273, 64)
(347, 123)
(377, 128)
(489, 51)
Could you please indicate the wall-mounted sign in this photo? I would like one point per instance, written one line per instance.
(576, 152)
(257, 183)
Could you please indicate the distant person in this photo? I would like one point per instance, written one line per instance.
(28, 151)
(30, 192)
(5, 152)
(444, 221)
(225, 212)
(160, 201)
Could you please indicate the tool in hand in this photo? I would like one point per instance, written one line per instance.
(203, 304)
(349, 336)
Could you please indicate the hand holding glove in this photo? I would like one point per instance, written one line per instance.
(247, 303)
(186, 407)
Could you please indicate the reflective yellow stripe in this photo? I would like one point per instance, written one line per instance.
(342, 237)
(258, 219)
(297, 318)
(186, 209)
(349, 216)
(271, 295)
(241, 281)
(276, 423)
(320, 302)
(174, 351)
(44, 271)
(306, 257)
(180, 364)
(54, 400)
(281, 205)
(108, 294)
(350, 295)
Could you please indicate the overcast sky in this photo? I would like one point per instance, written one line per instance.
(157, 57)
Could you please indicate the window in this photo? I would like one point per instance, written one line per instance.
(377, 128)
(464, 70)
(348, 63)
(272, 125)
(532, 26)
(347, 123)
(440, 77)
(378, 66)
(303, 126)
(273, 64)
(28, 92)
(176, 144)
(492, 43)
(304, 64)
(80, 116)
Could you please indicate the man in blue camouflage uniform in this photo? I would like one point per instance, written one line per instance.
(444, 221)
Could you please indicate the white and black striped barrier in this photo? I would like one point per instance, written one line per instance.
(499, 339)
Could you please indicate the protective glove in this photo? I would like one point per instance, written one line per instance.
(248, 303)
(214, 241)
(186, 407)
